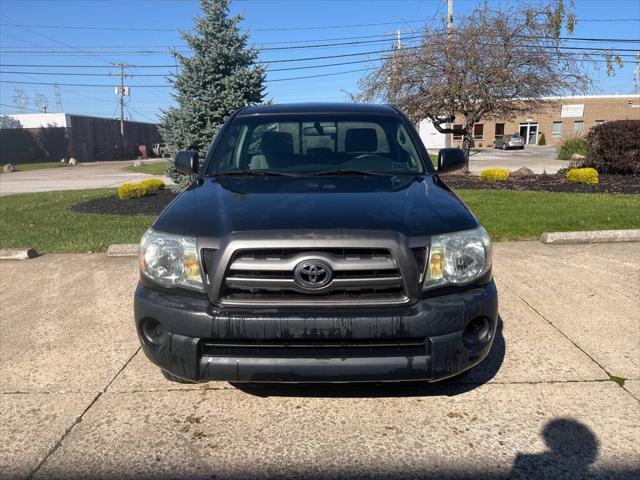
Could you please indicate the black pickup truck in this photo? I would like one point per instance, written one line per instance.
(316, 244)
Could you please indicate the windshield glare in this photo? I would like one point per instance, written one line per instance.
(316, 145)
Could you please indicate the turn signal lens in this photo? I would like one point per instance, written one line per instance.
(436, 265)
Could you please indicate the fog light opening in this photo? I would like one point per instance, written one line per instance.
(153, 332)
(477, 333)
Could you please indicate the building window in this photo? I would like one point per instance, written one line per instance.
(499, 130)
(478, 131)
(556, 130)
(577, 127)
(599, 122)
(457, 128)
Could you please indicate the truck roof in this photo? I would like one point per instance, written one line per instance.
(333, 108)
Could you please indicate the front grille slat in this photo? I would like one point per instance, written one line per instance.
(300, 348)
(360, 276)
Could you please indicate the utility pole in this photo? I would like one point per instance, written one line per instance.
(58, 95)
(636, 75)
(122, 92)
(450, 17)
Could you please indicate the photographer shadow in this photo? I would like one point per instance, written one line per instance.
(573, 448)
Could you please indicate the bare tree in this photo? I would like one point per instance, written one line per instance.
(494, 63)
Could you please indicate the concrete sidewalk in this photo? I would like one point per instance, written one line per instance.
(79, 400)
(84, 175)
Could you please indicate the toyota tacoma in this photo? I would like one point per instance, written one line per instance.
(317, 243)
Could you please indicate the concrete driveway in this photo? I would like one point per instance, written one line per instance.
(79, 400)
(538, 159)
(84, 175)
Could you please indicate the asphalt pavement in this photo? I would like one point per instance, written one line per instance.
(538, 159)
(82, 176)
(78, 399)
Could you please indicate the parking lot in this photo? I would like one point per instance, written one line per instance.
(79, 399)
(538, 159)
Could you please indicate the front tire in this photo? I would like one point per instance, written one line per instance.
(173, 378)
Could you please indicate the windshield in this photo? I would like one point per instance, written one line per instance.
(316, 145)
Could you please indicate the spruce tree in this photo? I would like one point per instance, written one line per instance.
(220, 76)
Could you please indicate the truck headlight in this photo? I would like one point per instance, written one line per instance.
(170, 260)
(458, 258)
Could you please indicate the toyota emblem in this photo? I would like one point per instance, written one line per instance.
(312, 274)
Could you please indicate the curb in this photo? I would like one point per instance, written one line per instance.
(595, 236)
(123, 250)
(17, 253)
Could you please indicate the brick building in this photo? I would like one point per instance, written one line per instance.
(563, 117)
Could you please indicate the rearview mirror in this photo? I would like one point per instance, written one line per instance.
(187, 162)
(451, 159)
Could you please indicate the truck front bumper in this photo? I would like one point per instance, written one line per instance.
(435, 338)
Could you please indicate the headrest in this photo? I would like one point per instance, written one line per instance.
(361, 140)
(276, 143)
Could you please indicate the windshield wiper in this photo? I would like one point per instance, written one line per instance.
(256, 173)
(351, 171)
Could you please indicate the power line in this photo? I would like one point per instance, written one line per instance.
(19, 108)
(167, 75)
(272, 29)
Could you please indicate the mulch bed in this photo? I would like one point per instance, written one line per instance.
(155, 203)
(151, 205)
(548, 183)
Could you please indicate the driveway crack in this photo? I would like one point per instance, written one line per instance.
(66, 433)
(610, 375)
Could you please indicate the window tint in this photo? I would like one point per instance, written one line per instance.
(478, 131)
(457, 128)
(499, 130)
(310, 144)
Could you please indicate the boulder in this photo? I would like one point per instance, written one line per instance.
(73, 161)
(522, 172)
(9, 168)
(138, 163)
(577, 156)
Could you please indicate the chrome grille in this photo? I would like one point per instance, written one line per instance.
(360, 276)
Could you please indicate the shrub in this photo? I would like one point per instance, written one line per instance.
(542, 140)
(153, 184)
(494, 175)
(127, 191)
(582, 175)
(614, 147)
(573, 145)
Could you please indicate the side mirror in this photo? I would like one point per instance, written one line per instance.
(451, 159)
(187, 162)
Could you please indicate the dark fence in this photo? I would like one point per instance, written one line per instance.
(29, 145)
(87, 139)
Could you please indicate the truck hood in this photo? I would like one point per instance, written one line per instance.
(414, 205)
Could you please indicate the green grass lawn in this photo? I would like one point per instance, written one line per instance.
(23, 167)
(513, 215)
(43, 220)
(150, 168)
